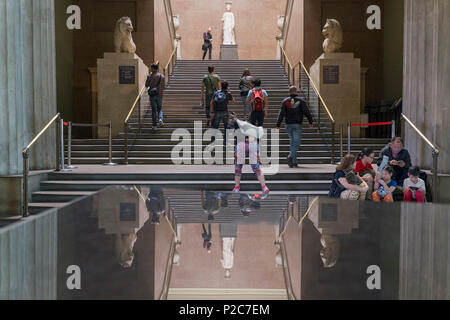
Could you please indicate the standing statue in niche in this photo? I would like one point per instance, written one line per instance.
(123, 40)
(332, 31)
(228, 26)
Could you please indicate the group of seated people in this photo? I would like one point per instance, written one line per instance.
(395, 180)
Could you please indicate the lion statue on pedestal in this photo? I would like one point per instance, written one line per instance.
(332, 31)
(123, 40)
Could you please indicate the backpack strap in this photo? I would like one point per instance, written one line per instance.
(212, 85)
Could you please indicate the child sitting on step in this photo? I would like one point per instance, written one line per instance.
(384, 186)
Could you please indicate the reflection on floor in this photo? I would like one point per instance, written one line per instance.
(151, 242)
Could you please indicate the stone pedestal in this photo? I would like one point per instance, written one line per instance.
(338, 79)
(126, 215)
(120, 77)
(229, 52)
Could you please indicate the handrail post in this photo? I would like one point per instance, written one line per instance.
(393, 133)
(435, 176)
(333, 145)
(58, 145)
(308, 94)
(341, 134)
(61, 132)
(349, 133)
(139, 111)
(25, 211)
(126, 143)
(69, 147)
(110, 163)
(318, 112)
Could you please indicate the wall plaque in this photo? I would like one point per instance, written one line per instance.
(331, 74)
(127, 75)
(128, 212)
(329, 212)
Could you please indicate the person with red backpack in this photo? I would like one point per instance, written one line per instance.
(259, 100)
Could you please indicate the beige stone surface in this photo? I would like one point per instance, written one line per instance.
(343, 99)
(115, 100)
(254, 260)
(163, 39)
(256, 26)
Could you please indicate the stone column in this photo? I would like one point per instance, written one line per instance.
(426, 79)
(27, 83)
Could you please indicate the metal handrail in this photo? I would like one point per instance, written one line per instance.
(170, 59)
(126, 124)
(25, 156)
(318, 93)
(170, 65)
(36, 138)
(435, 149)
(286, 57)
(280, 241)
(134, 104)
(435, 157)
(290, 68)
(71, 124)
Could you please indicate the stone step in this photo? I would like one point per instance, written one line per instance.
(70, 185)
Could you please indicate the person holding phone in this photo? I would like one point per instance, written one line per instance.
(399, 159)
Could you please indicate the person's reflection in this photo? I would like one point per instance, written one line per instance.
(228, 233)
(248, 203)
(207, 237)
(155, 203)
(213, 202)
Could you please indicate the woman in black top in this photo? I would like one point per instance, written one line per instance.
(341, 187)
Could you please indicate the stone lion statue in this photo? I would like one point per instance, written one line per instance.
(332, 31)
(330, 251)
(123, 40)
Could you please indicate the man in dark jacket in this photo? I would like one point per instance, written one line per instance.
(207, 43)
(294, 109)
(399, 159)
(156, 83)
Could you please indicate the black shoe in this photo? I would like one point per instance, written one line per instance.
(290, 161)
(208, 123)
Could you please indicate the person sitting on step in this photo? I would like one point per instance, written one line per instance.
(384, 186)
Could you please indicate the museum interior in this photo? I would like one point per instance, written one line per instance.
(104, 197)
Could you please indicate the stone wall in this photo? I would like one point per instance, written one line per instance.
(295, 41)
(28, 258)
(256, 26)
(427, 79)
(27, 83)
(96, 37)
(64, 60)
(163, 38)
(365, 44)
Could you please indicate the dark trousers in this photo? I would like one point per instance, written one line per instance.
(156, 103)
(208, 99)
(257, 118)
(220, 117)
(208, 48)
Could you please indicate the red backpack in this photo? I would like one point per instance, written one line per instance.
(258, 100)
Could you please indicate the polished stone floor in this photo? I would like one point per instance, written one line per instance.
(147, 242)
